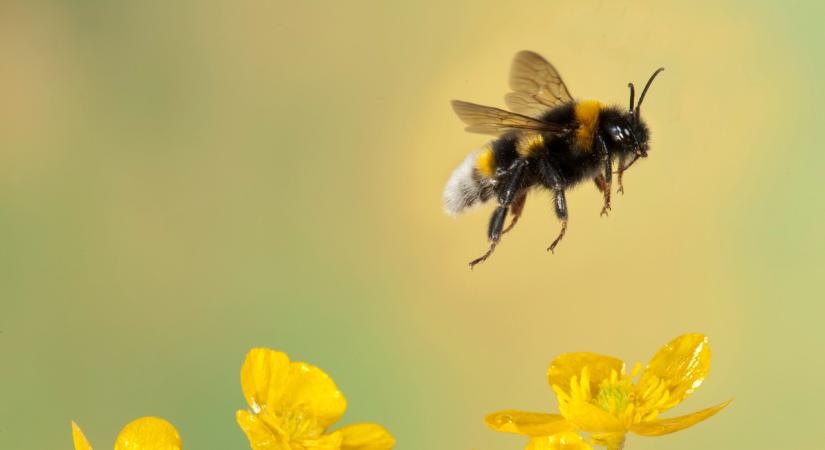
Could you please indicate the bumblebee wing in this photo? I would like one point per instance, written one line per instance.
(536, 84)
(467, 186)
(489, 120)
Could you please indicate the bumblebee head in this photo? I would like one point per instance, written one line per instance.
(637, 129)
(626, 134)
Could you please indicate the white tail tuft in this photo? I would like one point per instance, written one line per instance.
(467, 186)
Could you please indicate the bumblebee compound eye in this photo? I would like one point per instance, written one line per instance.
(618, 133)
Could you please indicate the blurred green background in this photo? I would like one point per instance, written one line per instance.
(181, 181)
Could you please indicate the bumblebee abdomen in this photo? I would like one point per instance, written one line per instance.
(486, 162)
(504, 151)
(469, 185)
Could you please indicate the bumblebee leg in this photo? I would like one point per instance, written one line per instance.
(599, 180)
(622, 169)
(620, 189)
(561, 213)
(552, 179)
(515, 210)
(606, 192)
(506, 197)
(484, 257)
(608, 175)
(493, 233)
(601, 184)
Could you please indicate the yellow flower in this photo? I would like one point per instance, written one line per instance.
(146, 433)
(294, 403)
(597, 396)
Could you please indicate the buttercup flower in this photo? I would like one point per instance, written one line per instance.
(294, 403)
(146, 433)
(597, 396)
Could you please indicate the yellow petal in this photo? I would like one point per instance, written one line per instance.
(563, 441)
(674, 372)
(331, 441)
(527, 423)
(590, 418)
(309, 388)
(148, 433)
(80, 441)
(366, 436)
(264, 377)
(570, 365)
(269, 380)
(666, 426)
(260, 436)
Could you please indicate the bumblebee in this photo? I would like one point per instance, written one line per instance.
(548, 141)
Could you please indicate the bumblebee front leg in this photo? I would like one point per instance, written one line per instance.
(607, 178)
(622, 169)
(620, 189)
(506, 197)
(600, 183)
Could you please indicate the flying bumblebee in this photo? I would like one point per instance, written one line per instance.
(549, 141)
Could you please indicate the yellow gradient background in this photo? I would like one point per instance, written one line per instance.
(181, 181)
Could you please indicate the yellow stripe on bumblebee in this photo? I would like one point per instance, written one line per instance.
(587, 115)
(485, 163)
(529, 145)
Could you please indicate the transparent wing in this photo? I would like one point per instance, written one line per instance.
(489, 120)
(536, 84)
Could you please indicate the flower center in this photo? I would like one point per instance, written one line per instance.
(613, 398)
(293, 429)
(298, 426)
(617, 396)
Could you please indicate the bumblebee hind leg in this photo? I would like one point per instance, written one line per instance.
(508, 196)
(515, 211)
(560, 203)
(552, 179)
(493, 233)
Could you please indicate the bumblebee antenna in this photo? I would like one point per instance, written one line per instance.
(647, 86)
(632, 99)
(632, 95)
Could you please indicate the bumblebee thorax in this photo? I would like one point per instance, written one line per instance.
(586, 113)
